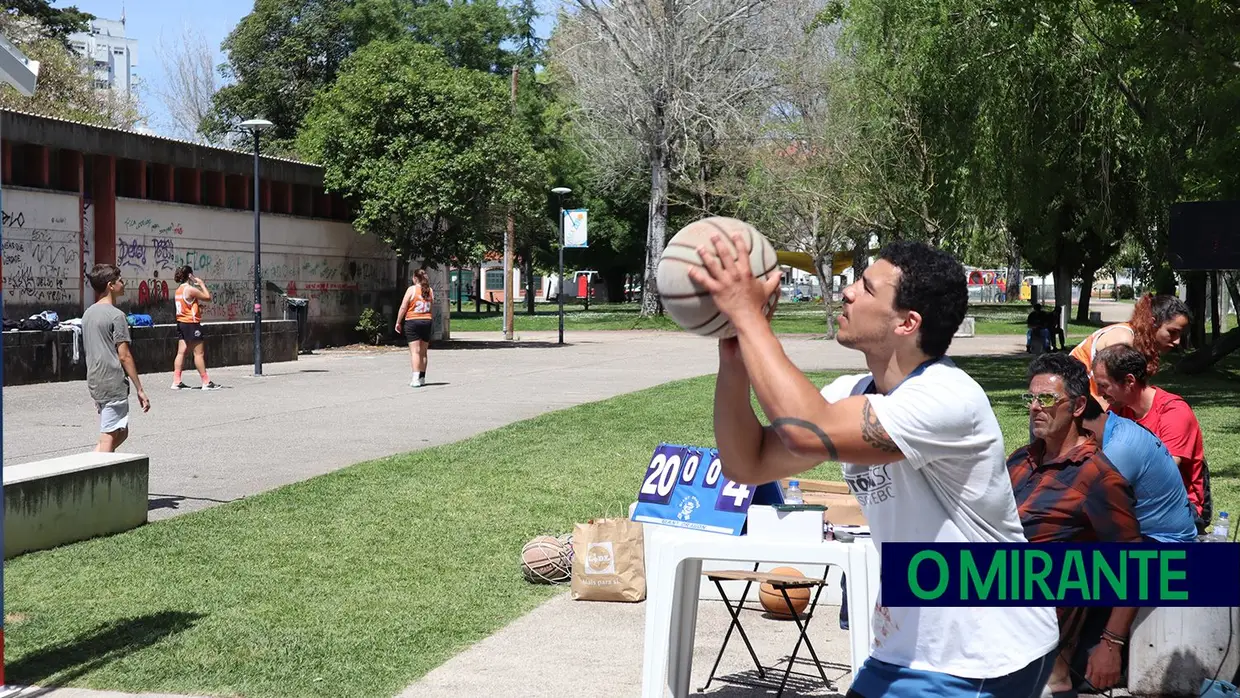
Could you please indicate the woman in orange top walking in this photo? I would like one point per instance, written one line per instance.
(1155, 328)
(191, 293)
(414, 321)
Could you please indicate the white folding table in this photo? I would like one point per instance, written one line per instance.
(674, 575)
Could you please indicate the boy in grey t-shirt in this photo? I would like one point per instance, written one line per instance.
(105, 339)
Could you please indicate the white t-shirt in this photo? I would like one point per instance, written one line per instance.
(953, 487)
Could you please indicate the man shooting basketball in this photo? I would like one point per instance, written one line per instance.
(919, 446)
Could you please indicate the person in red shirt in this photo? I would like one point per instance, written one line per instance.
(1120, 374)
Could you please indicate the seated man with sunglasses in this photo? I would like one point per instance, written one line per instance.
(1067, 490)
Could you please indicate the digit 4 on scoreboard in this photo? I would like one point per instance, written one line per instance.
(733, 496)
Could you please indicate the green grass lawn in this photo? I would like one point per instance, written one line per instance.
(358, 582)
(801, 318)
(790, 318)
(1009, 318)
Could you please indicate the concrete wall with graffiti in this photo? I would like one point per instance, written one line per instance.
(43, 253)
(338, 270)
(48, 239)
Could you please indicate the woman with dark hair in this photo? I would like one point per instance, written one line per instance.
(191, 293)
(1155, 328)
(414, 320)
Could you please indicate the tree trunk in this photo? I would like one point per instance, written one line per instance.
(1087, 287)
(826, 283)
(1013, 269)
(861, 257)
(656, 230)
(1214, 307)
(1232, 281)
(529, 281)
(615, 278)
(1063, 294)
(1196, 301)
(1202, 359)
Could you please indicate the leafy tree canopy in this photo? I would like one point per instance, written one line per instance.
(54, 23)
(285, 51)
(430, 152)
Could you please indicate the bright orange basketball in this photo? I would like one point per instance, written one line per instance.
(773, 600)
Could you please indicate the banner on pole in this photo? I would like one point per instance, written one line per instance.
(575, 228)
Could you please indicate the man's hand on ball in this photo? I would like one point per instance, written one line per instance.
(729, 279)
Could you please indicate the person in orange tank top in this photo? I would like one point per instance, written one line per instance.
(191, 294)
(414, 320)
(1155, 328)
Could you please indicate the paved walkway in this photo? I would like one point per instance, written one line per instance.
(337, 408)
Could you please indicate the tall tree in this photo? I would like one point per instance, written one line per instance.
(279, 56)
(653, 80)
(911, 113)
(430, 153)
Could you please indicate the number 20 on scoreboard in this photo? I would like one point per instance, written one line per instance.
(685, 486)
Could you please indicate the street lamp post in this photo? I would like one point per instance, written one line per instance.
(256, 127)
(559, 193)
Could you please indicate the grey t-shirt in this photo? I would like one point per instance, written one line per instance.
(104, 327)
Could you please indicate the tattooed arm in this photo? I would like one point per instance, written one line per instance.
(805, 429)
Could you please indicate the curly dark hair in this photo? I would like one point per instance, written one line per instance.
(933, 284)
(182, 274)
(1074, 375)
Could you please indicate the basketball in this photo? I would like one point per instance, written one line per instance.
(773, 600)
(543, 560)
(689, 304)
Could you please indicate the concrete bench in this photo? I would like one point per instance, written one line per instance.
(74, 498)
(966, 327)
(1172, 649)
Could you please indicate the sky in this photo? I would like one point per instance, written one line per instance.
(148, 20)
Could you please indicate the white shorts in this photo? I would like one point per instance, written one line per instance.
(113, 416)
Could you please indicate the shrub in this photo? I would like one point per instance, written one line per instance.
(371, 325)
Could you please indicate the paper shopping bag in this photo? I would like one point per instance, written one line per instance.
(609, 561)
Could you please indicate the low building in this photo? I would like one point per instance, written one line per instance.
(76, 194)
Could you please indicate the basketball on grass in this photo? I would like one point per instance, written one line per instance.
(689, 304)
(543, 561)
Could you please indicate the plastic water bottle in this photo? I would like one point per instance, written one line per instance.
(793, 495)
(1220, 527)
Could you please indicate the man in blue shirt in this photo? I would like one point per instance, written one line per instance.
(1163, 509)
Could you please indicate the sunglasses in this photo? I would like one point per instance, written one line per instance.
(1045, 400)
